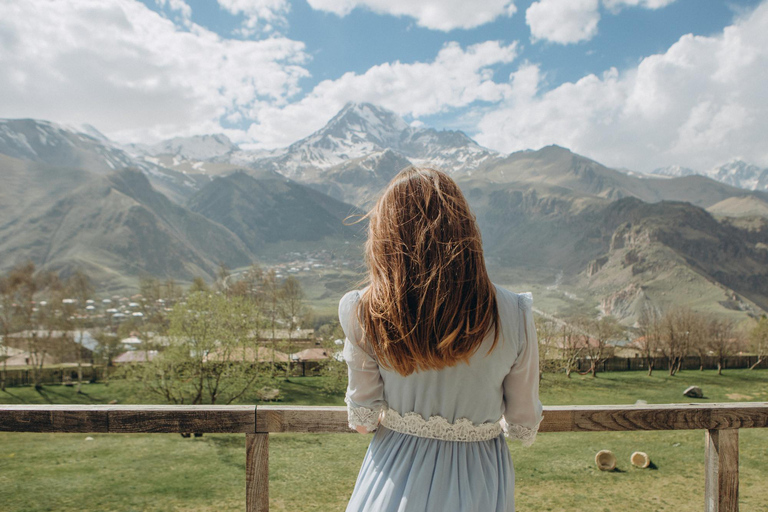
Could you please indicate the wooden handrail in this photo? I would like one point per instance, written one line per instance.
(720, 421)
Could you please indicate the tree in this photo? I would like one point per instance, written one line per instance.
(546, 332)
(723, 340)
(291, 309)
(78, 287)
(211, 356)
(223, 274)
(677, 326)
(570, 348)
(28, 284)
(172, 291)
(8, 321)
(758, 340)
(595, 336)
(699, 337)
(269, 300)
(109, 346)
(198, 285)
(650, 329)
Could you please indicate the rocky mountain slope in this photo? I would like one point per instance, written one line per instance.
(270, 208)
(116, 227)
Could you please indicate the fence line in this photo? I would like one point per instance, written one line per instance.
(619, 364)
(719, 421)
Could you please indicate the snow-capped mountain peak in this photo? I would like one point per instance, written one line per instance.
(736, 173)
(44, 141)
(740, 174)
(197, 147)
(361, 129)
(357, 130)
(673, 171)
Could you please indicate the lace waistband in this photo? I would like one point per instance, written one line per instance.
(437, 427)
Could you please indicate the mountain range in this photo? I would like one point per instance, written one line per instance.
(622, 240)
(736, 172)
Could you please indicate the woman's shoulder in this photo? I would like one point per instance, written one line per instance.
(522, 300)
(350, 298)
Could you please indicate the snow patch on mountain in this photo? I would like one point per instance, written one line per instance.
(198, 147)
(736, 173)
(362, 129)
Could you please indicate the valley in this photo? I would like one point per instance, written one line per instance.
(583, 237)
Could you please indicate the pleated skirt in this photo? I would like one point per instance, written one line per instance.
(406, 473)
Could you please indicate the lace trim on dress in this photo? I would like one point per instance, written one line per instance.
(362, 416)
(437, 427)
(525, 434)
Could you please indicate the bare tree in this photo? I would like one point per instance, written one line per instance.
(547, 333)
(678, 326)
(723, 340)
(596, 336)
(649, 342)
(291, 309)
(8, 321)
(758, 339)
(269, 299)
(29, 284)
(78, 287)
(570, 348)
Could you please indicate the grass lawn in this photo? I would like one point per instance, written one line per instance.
(160, 472)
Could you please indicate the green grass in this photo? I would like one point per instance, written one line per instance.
(159, 472)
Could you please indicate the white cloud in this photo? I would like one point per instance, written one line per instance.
(433, 14)
(260, 15)
(133, 73)
(615, 5)
(177, 5)
(456, 78)
(572, 21)
(563, 21)
(700, 103)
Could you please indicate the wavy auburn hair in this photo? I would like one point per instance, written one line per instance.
(430, 302)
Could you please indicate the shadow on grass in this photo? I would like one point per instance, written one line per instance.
(14, 396)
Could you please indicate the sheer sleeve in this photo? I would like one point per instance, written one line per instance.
(522, 410)
(365, 387)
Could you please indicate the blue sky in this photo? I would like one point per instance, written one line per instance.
(633, 83)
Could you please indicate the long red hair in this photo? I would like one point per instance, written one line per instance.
(430, 302)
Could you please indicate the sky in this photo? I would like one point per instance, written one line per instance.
(633, 84)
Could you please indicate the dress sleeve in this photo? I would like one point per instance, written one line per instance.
(365, 387)
(522, 412)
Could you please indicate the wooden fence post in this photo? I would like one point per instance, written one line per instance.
(257, 472)
(721, 471)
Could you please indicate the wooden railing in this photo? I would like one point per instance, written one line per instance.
(720, 421)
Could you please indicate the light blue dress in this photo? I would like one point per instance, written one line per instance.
(403, 472)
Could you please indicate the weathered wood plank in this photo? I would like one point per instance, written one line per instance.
(556, 418)
(243, 419)
(127, 418)
(257, 472)
(328, 419)
(211, 419)
(721, 471)
(53, 418)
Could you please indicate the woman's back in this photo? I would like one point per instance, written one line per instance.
(439, 429)
(437, 354)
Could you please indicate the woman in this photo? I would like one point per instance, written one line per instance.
(436, 354)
